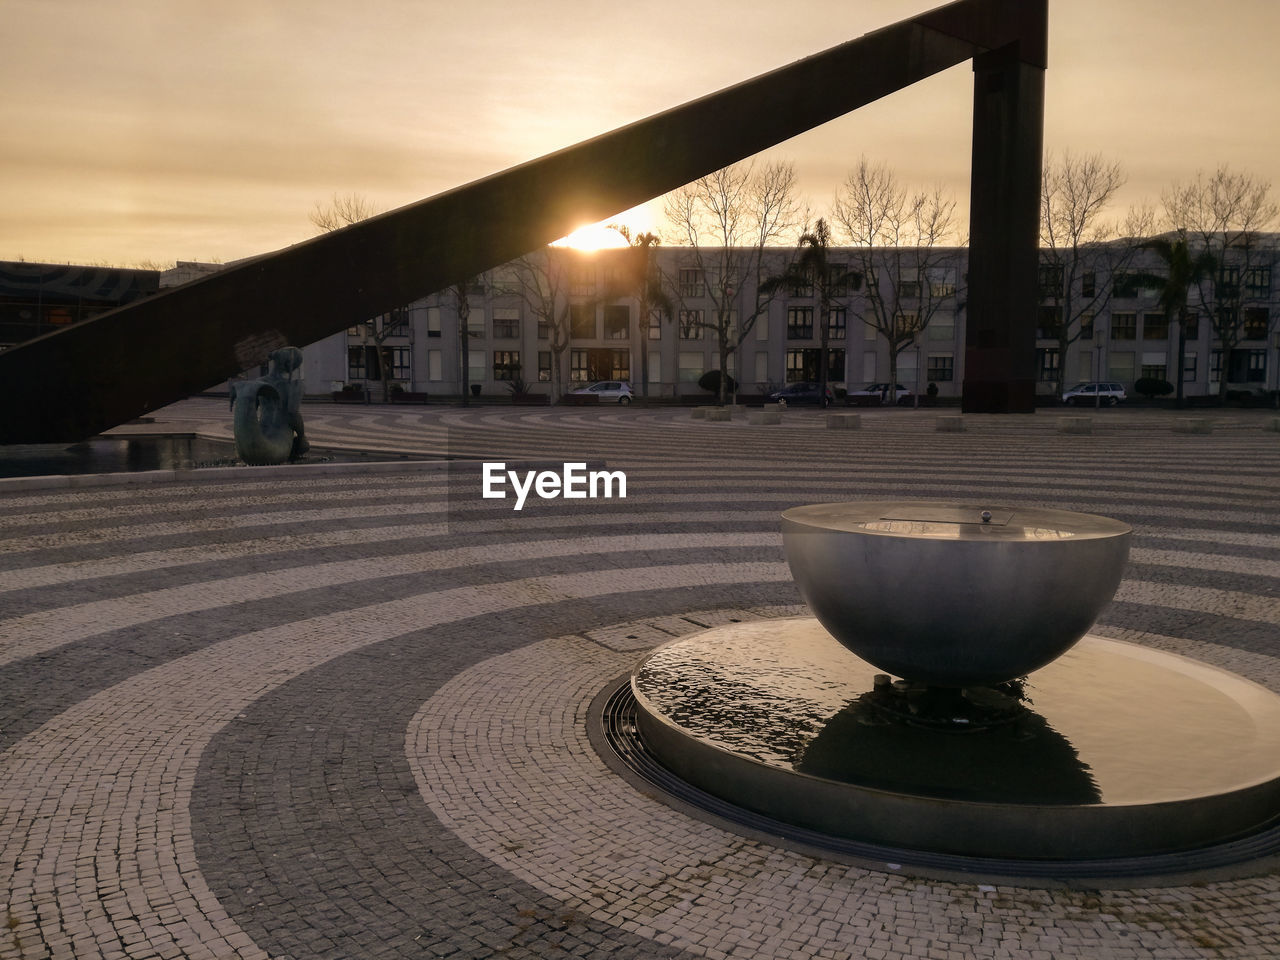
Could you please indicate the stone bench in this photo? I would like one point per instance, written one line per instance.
(949, 424)
(1075, 425)
(844, 421)
(719, 414)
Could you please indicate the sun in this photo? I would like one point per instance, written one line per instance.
(593, 236)
(602, 236)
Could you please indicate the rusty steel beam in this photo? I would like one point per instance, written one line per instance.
(73, 384)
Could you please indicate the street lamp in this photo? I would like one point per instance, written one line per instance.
(1100, 344)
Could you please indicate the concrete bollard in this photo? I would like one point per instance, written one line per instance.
(1193, 425)
(1075, 425)
(698, 413)
(766, 416)
(844, 421)
(950, 424)
(719, 414)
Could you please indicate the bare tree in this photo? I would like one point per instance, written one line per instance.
(1223, 215)
(898, 237)
(342, 210)
(544, 287)
(1079, 253)
(728, 219)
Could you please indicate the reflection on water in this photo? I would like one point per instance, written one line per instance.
(1022, 761)
(1107, 722)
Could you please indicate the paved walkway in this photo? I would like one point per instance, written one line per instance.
(337, 711)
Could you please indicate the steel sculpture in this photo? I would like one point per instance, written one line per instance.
(121, 364)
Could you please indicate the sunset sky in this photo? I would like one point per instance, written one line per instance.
(170, 130)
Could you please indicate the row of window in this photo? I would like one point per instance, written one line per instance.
(1247, 366)
(1155, 326)
(1127, 284)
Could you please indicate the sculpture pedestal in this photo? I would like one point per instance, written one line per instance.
(1119, 751)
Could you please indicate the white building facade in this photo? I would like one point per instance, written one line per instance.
(587, 314)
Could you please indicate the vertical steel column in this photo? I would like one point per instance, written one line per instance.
(1004, 233)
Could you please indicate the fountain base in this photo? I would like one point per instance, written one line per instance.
(1113, 750)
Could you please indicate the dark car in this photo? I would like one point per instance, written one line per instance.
(801, 392)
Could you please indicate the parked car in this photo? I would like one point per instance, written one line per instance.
(802, 391)
(1091, 392)
(607, 390)
(874, 393)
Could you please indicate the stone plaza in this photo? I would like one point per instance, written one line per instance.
(339, 709)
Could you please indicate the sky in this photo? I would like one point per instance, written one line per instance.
(149, 131)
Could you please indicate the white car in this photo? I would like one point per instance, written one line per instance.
(606, 390)
(1091, 392)
(874, 393)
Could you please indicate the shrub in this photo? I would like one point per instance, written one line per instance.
(1150, 387)
(710, 382)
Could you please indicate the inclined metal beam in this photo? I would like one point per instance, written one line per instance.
(73, 384)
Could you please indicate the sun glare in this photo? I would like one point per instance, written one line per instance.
(594, 236)
(601, 236)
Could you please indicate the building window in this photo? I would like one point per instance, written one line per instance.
(1086, 326)
(544, 366)
(475, 365)
(619, 364)
(1120, 366)
(582, 280)
(1248, 366)
(1228, 285)
(1257, 283)
(1215, 366)
(579, 366)
(691, 283)
(1155, 326)
(941, 367)
(506, 364)
(1191, 327)
(544, 329)
(475, 323)
(1049, 322)
(1124, 326)
(690, 366)
(435, 364)
(1050, 280)
(800, 323)
(762, 328)
(1088, 284)
(582, 321)
(617, 323)
(691, 325)
(762, 367)
(356, 368)
(506, 323)
(909, 289)
(1189, 368)
(801, 286)
(1124, 285)
(837, 324)
(797, 368)
(433, 321)
(837, 279)
(1047, 363)
(942, 330)
(1154, 366)
(398, 359)
(1255, 323)
(655, 327)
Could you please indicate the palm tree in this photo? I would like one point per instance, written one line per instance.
(812, 268)
(1184, 270)
(644, 282)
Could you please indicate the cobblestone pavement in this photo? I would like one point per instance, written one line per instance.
(338, 710)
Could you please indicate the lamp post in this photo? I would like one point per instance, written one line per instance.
(1100, 344)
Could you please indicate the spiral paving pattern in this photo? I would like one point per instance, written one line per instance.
(337, 711)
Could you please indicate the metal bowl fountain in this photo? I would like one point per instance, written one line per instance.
(952, 595)
(1010, 735)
